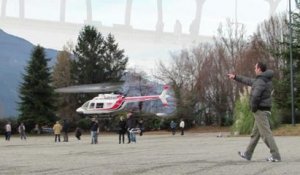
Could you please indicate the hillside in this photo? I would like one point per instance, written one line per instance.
(14, 55)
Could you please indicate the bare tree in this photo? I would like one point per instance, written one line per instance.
(198, 76)
(265, 45)
(213, 88)
(182, 74)
(61, 76)
(137, 82)
(271, 33)
(61, 71)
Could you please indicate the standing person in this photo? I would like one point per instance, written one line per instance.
(78, 133)
(7, 131)
(141, 126)
(122, 129)
(21, 130)
(37, 129)
(260, 103)
(173, 127)
(182, 125)
(94, 131)
(65, 130)
(130, 123)
(57, 130)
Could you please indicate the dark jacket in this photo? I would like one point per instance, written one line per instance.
(78, 132)
(130, 123)
(65, 127)
(260, 97)
(172, 125)
(94, 126)
(122, 127)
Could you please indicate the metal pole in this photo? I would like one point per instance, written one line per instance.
(128, 12)
(89, 11)
(297, 4)
(236, 21)
(62, 10)
(291, 66)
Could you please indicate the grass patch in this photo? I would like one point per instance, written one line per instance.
(287, 130)
(282, 130)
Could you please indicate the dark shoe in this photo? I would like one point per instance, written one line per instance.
(243, 155)
(272, 159)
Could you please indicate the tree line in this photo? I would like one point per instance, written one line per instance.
(94, 59)
(197, 75)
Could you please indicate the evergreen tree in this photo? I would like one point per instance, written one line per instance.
(37, 105)
(96, 60)
(88, 63)
(114, 60)
(87, 66)
(296, 59)
(282, 86)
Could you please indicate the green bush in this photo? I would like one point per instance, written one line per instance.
(84, 123)
(244, 119)
(152, 122)
(275, 119)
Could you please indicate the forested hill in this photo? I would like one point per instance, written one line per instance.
(14, 55)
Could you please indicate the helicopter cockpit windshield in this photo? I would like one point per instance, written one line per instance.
(86, 104)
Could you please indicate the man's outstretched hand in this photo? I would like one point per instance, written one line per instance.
(231, 76)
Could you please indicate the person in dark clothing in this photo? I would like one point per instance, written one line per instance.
(130, 123)
(78, 133)
(65, 130)
(173, 127)
(122, 130)
(141, 126)
(260, 103)
(94, 131)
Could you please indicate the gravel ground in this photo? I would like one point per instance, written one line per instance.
(193, 154)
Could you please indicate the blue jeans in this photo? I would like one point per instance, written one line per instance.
(132, 137)
(94, 136)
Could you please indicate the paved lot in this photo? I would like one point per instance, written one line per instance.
(191, 154)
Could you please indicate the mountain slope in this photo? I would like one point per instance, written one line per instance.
(14, 55)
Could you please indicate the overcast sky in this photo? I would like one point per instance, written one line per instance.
(144, 16)
(144, 12)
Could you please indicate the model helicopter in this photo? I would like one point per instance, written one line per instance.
(109, 102)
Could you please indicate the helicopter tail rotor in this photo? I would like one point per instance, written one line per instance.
(163, 96)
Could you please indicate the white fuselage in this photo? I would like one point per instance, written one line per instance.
(107, 103)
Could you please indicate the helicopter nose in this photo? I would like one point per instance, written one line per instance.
(79, 110)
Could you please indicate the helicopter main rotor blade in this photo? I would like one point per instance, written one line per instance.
(91, 88)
